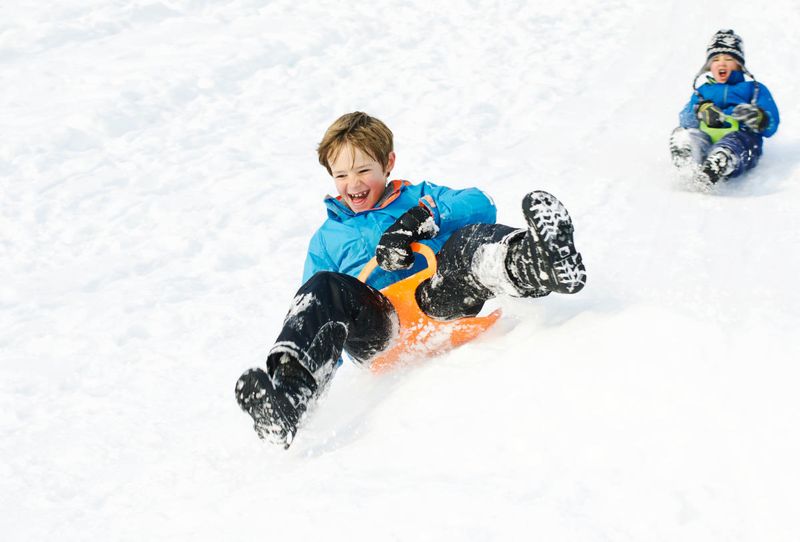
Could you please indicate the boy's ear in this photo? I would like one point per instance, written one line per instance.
(390, 163)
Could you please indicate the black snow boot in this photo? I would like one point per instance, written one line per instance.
(681, 154)
(545, 258)
(276, 404)
(717, 167)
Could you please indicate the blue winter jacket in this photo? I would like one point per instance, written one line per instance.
(347, 240)
(728, 95)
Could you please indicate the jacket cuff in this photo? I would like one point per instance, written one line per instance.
(430, 205)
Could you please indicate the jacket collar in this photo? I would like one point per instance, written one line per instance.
(338, 209)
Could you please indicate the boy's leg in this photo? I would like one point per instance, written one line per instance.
(688, 146)
(330, 312)
(731, 156)
(456, 291)
(482, 261)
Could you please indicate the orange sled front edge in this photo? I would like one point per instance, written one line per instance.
(421, 336)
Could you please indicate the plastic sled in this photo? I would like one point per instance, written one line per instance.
(731, 125)
(421, 336)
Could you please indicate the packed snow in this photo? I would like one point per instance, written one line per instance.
(160, 185)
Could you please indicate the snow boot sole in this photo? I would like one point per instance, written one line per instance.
(551, 228)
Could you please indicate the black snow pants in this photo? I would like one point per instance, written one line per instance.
(332, 311)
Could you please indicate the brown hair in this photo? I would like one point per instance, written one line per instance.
(368, 134)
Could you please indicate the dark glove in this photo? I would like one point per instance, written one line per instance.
(710, 114)
(751, 116)
(394, 248)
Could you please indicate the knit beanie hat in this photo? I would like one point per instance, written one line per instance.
(725, 42)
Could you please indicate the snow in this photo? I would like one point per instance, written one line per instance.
(488, 264)
(159, 187)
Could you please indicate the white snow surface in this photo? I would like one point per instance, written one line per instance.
(160, 184)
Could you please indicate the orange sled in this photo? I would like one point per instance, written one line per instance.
(421, 336)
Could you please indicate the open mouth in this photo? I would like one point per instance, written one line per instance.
(723, 73)
(358, 197)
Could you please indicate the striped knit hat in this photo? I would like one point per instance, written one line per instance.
(725, 42)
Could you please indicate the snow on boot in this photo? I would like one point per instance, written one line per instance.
(716, 167)
(681, 156)
(546, 257)
(687, 147)
(276, 405)
(681, 153)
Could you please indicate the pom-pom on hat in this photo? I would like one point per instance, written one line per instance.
(725, 42)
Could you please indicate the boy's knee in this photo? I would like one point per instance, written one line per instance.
(446, 298)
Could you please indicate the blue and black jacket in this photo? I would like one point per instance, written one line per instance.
(347, 240)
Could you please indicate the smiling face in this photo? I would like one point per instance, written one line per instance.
(721, 67)
(359, 178)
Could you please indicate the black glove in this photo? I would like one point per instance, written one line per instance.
(710, 114)
(394, 248)
(751, 116)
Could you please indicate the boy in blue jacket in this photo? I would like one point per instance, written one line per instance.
(334, 311)
(722, 127)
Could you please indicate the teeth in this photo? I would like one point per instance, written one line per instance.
(359, 195)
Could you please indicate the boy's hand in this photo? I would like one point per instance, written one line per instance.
(751, 115)
(394, 248)
(710, 114)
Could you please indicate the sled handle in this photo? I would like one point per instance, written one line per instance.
(716, 134)
(419, 248)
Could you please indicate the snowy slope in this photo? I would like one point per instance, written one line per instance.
(159, 185)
